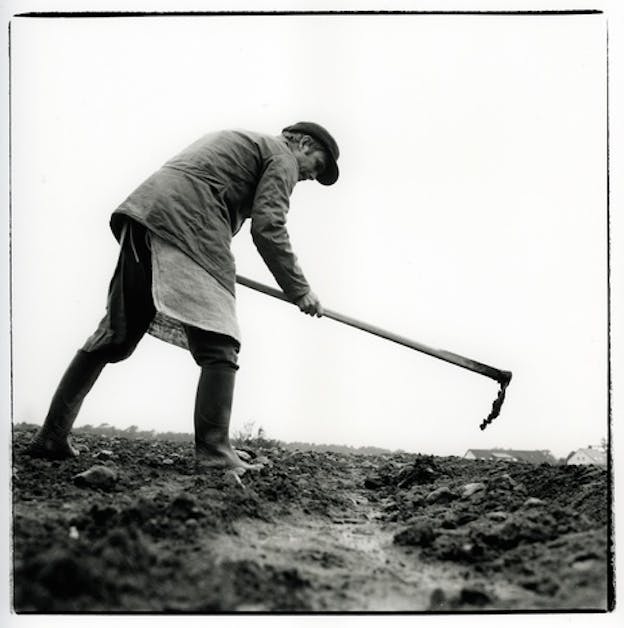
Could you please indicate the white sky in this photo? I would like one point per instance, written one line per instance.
(470, 215)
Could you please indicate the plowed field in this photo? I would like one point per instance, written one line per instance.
(310, 532)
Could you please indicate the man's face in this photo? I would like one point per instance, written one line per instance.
(311, 161)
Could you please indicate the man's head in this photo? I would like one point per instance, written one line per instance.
(316, 151)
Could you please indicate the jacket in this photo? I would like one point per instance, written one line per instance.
(199, 200)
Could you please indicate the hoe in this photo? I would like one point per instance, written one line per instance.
(502, 377)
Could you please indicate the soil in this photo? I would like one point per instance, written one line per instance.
(314, 531)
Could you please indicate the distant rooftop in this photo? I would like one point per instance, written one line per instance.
(596, 455)
(537, 456)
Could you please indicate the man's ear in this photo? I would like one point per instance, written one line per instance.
(305, 143)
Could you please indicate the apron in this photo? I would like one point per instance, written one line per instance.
(184, 292)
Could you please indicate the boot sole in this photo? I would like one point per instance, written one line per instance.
(36, 450)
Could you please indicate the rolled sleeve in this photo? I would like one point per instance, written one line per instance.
(268, 225)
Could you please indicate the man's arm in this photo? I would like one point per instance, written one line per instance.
(269, 233)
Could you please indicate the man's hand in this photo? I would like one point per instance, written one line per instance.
(309, 304)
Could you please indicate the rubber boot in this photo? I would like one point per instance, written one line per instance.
(213, 408)
(52, 439)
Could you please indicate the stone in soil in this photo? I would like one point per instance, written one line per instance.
(532, 502)
(473, 487)
(98, 476)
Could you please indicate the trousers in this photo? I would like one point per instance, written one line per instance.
(130, 309)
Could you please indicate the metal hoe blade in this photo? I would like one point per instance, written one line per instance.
(498, 402)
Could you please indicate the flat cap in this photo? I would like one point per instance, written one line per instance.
(329, 176)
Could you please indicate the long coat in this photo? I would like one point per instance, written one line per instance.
(200, 199)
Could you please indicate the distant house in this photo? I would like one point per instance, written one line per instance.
(588, 456)
(513, 455)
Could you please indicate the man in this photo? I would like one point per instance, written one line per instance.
(175, 276)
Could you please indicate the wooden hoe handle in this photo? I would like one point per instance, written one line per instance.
(502, 377)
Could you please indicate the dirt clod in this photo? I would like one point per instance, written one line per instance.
(442, 495)
(420, 534)
(474, 596)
